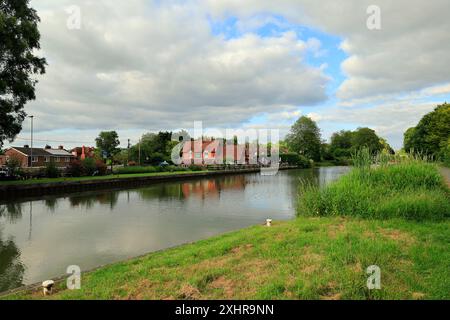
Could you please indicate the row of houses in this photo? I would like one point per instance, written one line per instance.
(215, 152)
(40, 157)
(199, 152)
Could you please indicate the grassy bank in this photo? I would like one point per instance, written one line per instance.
(108, 177)
(395, 217)
(412, 190)
(308, 258)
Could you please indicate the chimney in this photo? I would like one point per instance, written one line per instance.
(47, 147)
(26, 146)
(61, 147)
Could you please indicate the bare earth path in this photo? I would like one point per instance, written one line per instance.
(446, 174)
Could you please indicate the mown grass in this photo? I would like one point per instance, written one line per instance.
(308, 258)
(411, 190)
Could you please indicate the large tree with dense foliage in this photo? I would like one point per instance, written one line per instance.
(432, 134)
(366, 138)
(154, 148)
(305, 139)
(341, 144)
(19, 39)
(108, 143)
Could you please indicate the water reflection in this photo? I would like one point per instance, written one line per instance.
(87, 201)
(42, 237)
(11, 268)
(11, 211)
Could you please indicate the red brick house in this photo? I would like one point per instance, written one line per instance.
(41, 156)
(201, 152)
(81, 153)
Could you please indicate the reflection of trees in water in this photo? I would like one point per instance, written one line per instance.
(11, 268)
(12, 211)
(51, 203)
(161, 191)
(88, 201)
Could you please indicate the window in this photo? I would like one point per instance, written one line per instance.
(35, 159)
(47, 159)
(67, 159)
(198, 155)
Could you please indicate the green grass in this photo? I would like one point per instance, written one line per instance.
(394, 216)
(411, 190)
(307, 258)
(115, 176)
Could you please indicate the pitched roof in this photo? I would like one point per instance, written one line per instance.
(58, 152)
(40, 152)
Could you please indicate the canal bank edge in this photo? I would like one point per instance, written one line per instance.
(40, 189)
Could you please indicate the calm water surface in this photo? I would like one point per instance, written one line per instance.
(40, 238)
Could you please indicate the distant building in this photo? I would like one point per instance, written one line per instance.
(201, 152)
(39, 157)
(81, 153)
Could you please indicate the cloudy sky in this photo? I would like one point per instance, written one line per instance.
(137, 66)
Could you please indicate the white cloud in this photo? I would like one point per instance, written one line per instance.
(153, 66)
(409, 53)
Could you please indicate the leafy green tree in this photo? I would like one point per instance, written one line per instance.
(366, 138)
(341, 144)
(154, 148)
(431, 134)
(19, 39)
(305, 139)
(108, 142)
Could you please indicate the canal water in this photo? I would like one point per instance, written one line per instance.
(40, 238)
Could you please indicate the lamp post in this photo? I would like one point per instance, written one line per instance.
(31, 153)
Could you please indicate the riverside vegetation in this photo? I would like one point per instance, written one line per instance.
(393, 215)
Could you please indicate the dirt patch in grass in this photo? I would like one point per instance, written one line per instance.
(418, 295)
(227, 285)
(336, 229)
(188, 292)
(328, 292)
(398, 236)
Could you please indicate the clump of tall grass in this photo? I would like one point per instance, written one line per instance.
(410, 188)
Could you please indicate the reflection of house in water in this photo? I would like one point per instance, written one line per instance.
(212, 187)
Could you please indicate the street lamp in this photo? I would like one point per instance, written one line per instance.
(31, 153)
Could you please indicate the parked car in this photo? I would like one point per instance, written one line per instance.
(4, 174)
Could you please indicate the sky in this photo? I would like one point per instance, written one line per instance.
(141, 66)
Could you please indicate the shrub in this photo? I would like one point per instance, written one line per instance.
(194, 167)
(89, 166)
(295, 160)
(75, 169)
(13, 166)
(51, 171)
(136, 170)
(101, 167)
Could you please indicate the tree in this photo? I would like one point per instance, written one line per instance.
(366, 138)
(20, 38)
(341, 144)
(154, 148)
(305, 139)
(107, 142)
(431, 134)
